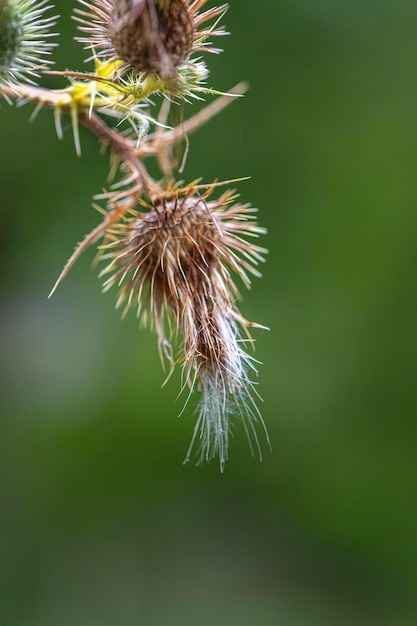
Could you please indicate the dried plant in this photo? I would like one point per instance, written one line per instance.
(173, 250)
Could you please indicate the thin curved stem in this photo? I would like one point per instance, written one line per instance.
(123, 148)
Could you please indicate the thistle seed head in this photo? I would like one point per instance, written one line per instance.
(174, 263)
(24, 39)
(152, 36)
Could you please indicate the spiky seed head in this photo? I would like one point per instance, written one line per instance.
(24, 39)
(152, 36)
(10, 34)
(174, 263)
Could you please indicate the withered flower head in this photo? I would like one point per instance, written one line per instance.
(153, 36)
(173, 262)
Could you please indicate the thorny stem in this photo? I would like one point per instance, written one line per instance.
(161, 141)
(193, 123)
(126, 151)
(123, 148)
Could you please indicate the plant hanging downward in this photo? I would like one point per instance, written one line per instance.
(173, 250)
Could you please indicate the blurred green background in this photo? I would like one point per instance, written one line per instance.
(101, 525)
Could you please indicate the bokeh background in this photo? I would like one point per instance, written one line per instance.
(101, 524)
